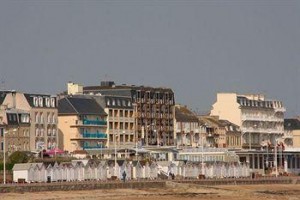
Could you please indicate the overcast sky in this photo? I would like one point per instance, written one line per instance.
(197, 48)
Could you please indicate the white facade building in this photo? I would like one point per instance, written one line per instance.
(261, 120)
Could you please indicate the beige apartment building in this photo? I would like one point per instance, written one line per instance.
(154, 108)
(82, 124)
(120, 116)
(43, 117)
(120, 120)
(261, 120)
(188, 131)
(16, 127)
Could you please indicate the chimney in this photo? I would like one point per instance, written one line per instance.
(13, 93)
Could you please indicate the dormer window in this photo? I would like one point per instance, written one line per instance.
(35, 101)
(52, 102)
(41, 101)
(48, 102)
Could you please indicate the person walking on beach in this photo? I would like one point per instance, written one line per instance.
(124, 176)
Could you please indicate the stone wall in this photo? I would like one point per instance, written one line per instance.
(86, 185)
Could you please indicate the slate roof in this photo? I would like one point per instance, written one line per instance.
(3, 95)
(29, 98)
(211, 121)
(183, 114)
(291, 124)
(120, 101)
(79, 106)
(122, 90)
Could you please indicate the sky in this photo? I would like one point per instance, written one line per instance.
(195, 47)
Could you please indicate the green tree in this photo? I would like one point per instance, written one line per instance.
(18, 157)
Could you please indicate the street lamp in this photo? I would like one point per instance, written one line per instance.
(4, 163)
(115, 154)
(202, 156)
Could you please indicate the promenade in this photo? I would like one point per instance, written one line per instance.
(117, 184)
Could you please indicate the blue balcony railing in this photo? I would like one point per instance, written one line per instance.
(94, 122)
(95, 135)
(88, 146)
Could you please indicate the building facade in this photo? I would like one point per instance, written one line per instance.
(15, 125)
(153, 108)
(188, 130)
(120, 120)
(82, 124)
(43, 117)
(261, 121)
(292, 133)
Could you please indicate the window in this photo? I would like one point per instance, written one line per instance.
(53, 118)
(35, 101)
(41, 101)
(42, 118)
(48, 118)
(47, 102)
(1, 132)
(52, 102)
(113, 102)
(54, 132)
(37, 132)
(37, 117)
(108, 102)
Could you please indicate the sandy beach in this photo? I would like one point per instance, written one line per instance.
(171, 192)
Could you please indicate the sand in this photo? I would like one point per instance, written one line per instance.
(174, 191)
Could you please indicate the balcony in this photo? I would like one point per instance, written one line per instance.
(262, 130)
(94, 122)
(280, 109)
(89, 123)
(86, 146)
(95, 135)
(90, 136)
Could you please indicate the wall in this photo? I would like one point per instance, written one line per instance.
(20, 174)
(68, 186)
(226, 107)
(296, 138)
(64, 123)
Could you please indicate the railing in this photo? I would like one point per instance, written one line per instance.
(95, 135)
(93, 147)
(94, 122)
(262, 130)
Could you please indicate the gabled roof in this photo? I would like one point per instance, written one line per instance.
(183, 114)
(292, 124)
(79, 106)
(211, 121)
(24, 166)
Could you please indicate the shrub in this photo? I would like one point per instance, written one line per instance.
(18, 157)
